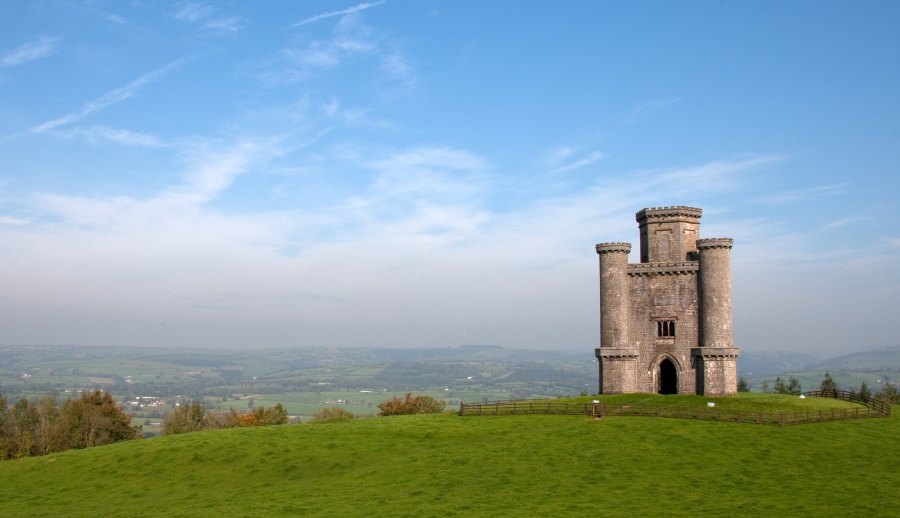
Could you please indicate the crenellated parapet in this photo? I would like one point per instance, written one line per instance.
(669, 214)
(715, 242)
(612, 248)
(670, 268)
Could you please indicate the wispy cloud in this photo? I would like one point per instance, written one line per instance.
(40, 48)
(110, 98)
(97, 133)
(13, 220)
(230, 24)
(642, 109)
(349, 40)
(193, 11)
(711, 176)
(892, 242)
(803, 195)
(200, 13)
(350, 10)
(840, 223)
(591, 157)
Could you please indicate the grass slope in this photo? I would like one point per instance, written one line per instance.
(446, 465)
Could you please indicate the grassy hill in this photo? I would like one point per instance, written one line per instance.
(447, 465)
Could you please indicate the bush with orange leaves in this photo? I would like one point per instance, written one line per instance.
(411, 404)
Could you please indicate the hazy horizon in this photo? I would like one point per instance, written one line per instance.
(427, 174)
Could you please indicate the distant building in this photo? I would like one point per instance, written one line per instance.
(665, 323)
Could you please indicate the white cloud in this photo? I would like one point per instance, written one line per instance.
(591, 157)
(329, 14)
(33, 50)
(98, 133)
(230, 24)
(892, 242)
(804, 195)
(193, 11)
(643, 109)
(412, 257)
(13, 220)
(110, 98)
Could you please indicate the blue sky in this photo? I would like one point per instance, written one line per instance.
(392, 173)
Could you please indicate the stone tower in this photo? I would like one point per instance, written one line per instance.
(665, 323)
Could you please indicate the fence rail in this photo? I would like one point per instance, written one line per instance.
(527, 406)
(854, 397)
(871, 408)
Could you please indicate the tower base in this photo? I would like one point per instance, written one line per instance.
(716, 369)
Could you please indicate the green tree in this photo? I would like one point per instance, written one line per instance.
(765, 386)
(888, 394)
(864, 391)
(794, 387)
(828, 384)
(95, 419)
(742, 386)
(185, 418)
(780, 387)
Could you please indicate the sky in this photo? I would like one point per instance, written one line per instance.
(434, 173)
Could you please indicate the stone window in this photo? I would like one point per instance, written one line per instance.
(665, 328)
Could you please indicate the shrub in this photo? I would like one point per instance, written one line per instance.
(192, 418)
(332, 414)
(411, 405)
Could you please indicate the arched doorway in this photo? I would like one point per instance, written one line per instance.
(667, 382)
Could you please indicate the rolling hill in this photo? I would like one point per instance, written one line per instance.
(447, 465)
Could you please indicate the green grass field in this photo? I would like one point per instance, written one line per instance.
(447, 465)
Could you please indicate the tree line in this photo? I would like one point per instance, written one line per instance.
(194, 418)
(887, 394)
(42, 425)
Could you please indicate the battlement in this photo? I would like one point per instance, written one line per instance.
(605, 248)
(715, 242)
(671, 213)
(667, 268)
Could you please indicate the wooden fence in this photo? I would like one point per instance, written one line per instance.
(855, 397)
(870, 408)
(528, 406)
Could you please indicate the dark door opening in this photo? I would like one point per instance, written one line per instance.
(668, 377)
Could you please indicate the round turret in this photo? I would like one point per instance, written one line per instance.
(614, 301)
(715, 292)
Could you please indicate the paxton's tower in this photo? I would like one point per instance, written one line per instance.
(665, 323)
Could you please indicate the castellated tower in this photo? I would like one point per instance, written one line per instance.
(665, 323)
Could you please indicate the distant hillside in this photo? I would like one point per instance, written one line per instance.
(446, 465)
(879, 359)
(752, 364)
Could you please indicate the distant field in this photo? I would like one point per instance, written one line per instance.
(446, 465)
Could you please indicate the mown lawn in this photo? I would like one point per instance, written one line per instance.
(446, 465)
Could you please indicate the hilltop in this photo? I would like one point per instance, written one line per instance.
(447, 465)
